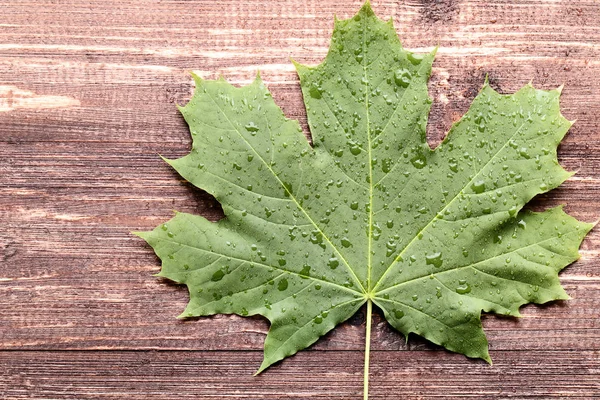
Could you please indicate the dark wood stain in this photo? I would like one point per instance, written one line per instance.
(87, 102)
(434, 11)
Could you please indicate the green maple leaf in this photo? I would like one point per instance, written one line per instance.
(370, 214)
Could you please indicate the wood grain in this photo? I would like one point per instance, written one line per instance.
(87, 102)
(227, 374)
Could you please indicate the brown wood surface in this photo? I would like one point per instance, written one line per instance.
(87, 102)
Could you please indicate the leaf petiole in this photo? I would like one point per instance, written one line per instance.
(367, 350)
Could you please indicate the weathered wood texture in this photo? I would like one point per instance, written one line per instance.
(87, 101)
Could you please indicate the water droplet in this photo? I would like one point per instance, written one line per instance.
(218, 275)
(464, 288)
(453, 165)
(346, 242)
(315, 92)
(523, 152)
(402, 77)
(354, 149)
(282, 285)
(252, 127)
(418, 162)
(478, 186)
(398, 314)
(305, 272)
(333, 263)
(386, 165)
(434, 259)
(415, 59)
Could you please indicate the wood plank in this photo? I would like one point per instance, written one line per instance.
(311, 374)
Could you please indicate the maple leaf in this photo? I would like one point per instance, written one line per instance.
(370, 214)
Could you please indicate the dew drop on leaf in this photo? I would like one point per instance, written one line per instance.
(333, 263)
(217, 275)
(478, 186)
(418, 162)
(282, 285)
(402, 77)
(434, 259)
(463, 287)
(252, 127)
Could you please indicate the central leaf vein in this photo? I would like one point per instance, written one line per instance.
(369, 163)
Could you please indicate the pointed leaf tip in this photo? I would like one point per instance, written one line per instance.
(263, 366)
(300, 68)
(366, 9)
(140, 234)
(198, 81)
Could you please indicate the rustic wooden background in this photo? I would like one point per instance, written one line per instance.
(87, 102)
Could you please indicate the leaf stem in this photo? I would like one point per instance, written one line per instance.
(367, 350)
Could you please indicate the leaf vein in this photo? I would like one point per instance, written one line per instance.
(412, 280)
(291, 194)
(447, 205)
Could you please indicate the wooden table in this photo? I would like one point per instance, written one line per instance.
(87, 102)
